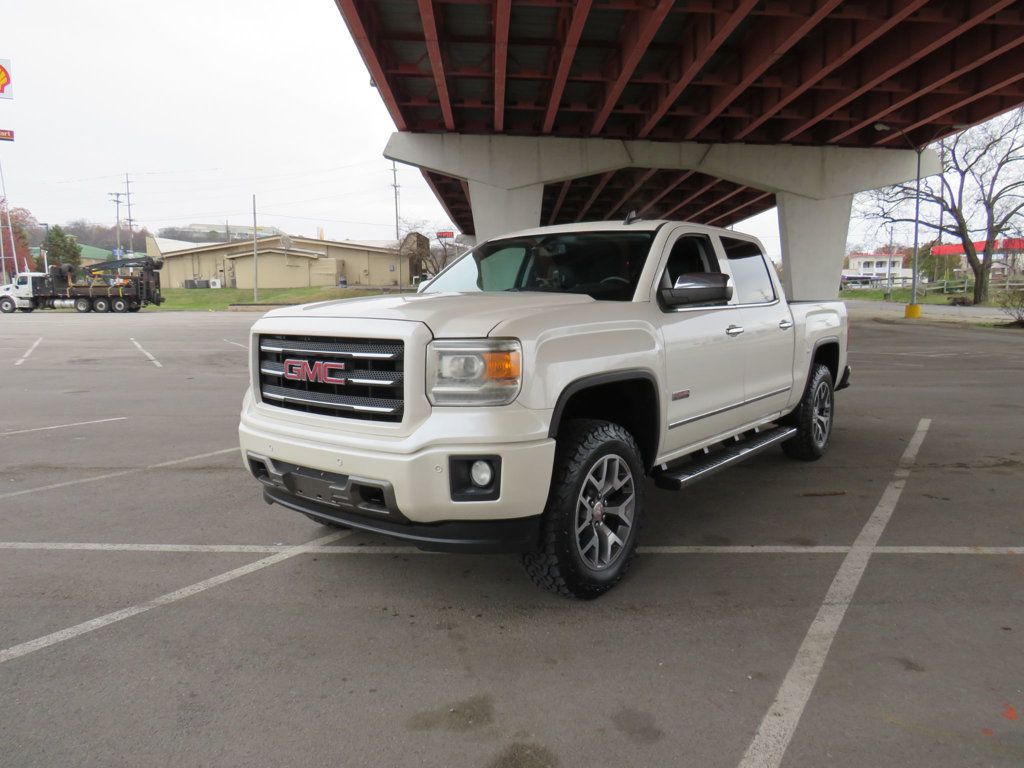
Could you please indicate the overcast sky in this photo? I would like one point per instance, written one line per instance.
(203, 103)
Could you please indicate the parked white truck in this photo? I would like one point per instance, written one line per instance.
(521, 398)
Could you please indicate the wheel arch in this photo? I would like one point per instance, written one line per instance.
(628, 398)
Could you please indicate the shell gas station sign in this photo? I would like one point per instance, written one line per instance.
(6, 88)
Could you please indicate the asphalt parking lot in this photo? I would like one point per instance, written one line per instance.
(867, 609)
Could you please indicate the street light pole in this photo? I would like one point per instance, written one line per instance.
(913, 309)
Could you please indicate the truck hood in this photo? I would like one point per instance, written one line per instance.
(447, 315)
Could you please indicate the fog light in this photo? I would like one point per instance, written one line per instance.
(481, 474)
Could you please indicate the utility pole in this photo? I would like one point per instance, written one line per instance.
(394, 184)
(397, 237)
(131, 232)
(116, 197)
(10, 228)
(255, 258)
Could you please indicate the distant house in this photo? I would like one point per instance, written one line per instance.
(1008, 255)
(876, 266)
(284, 262)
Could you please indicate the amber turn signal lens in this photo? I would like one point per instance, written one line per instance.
(502, 365)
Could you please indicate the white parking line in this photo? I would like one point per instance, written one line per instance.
(773, 549)
(773, 736)
(152, 359)
(371, 549)
(31, 349)
(61, 426)
(76, 546)
(110, 475)
(229, 341)
(23, 649)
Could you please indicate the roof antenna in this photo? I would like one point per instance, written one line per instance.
(631, 217)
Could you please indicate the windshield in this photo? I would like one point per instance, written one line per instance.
(603, 265)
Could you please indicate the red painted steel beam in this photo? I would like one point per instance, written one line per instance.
(502, 17)
(701, 40)
(967, 59)
(988, 81)
(637, 35)
(644, 178)
(433, 43)
(724, 198)
(568, 51)
(691, 197)
(437, 193)
(891, 60)
(558, 202)
(740, 207)
(827, 56)
(669, 188)
(598, 189)
(761, 48)
(363, 34)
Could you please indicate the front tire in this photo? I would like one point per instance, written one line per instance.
(119, 305)
(813, 417)
(592, 519)
(7, 305)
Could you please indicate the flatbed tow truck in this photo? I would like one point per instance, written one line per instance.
(104, 288)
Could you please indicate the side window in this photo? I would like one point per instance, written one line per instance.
(753, 285)
(690, 254)
(23, 280)
(499, 270)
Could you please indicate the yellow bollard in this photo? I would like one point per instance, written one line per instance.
(912, 311)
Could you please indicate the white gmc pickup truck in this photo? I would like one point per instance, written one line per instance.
(521, 398)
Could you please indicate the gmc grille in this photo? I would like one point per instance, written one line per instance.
(291, 376)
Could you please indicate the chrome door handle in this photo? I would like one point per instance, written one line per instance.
(734, 330)
(785, 324)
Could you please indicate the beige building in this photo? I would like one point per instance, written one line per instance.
(284, 262)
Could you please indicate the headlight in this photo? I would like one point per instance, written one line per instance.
(474, 371)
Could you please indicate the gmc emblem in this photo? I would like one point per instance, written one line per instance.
(321, 372)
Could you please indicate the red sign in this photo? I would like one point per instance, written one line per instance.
(6, 135)
(445, 235)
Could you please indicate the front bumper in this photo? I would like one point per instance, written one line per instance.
(409, 480)
(475, 536)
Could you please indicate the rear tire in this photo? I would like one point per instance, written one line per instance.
(119, 305)
(83, 305)
(101, 305)
(7, 305)
(592, 518)
(813, 417)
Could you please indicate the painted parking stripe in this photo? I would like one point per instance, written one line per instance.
(111, 475)
(405, 549)
(61, 426)
(31, 349)
(229, 341)
(779, 724)
(23, 649)
(152, 359)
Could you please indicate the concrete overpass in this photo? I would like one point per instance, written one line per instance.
(550, 111)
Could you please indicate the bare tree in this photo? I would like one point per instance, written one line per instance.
(978, 196)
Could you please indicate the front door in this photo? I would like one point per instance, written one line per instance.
(704, 367)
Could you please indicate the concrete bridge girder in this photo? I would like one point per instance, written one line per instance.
(813, 186)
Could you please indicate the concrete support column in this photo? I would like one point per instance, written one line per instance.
(497, 211)
(813, 234)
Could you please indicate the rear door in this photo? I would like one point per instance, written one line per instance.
(704, 364)
(768, 334)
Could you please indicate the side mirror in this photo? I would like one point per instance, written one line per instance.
(698, 288)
